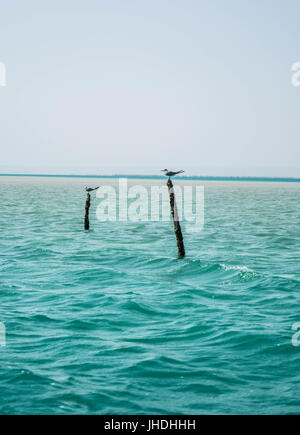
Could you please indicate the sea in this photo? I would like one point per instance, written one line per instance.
(110, 321)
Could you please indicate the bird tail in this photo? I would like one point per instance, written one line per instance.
(180, 172)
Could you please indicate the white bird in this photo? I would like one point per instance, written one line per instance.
(170, 173)
(89, 189)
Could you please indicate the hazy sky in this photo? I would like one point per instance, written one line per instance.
(140, 85)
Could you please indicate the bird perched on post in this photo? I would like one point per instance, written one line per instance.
(89, 189)
(170, 173)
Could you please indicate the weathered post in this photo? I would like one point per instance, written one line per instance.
(177, 227)
(87, 212)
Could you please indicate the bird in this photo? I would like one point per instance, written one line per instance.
(90, 189)
(170, 173)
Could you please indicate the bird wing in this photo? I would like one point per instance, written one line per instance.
(172, 174)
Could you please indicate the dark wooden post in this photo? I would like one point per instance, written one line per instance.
(87, 212)
(177, 227)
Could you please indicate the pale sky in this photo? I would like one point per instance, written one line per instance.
(142, 85)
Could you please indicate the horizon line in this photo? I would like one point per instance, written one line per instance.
(160, 177)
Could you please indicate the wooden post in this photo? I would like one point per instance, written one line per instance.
(87, 211)
(177, 227)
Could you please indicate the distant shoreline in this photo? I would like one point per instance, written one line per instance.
(159, 177)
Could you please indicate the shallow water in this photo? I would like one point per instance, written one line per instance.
(110, 321)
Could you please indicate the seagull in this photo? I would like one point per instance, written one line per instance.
(89, 189)
(170, 173)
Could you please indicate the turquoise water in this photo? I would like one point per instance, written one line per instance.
(111, 322)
